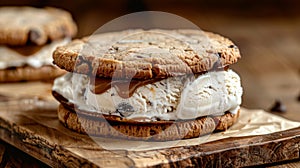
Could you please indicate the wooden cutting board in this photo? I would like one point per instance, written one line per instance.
(28, 121)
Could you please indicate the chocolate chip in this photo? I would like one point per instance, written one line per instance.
(219, 54)
(155, 119)
(113, 49)
(152, 132)
(83, 65)
(188, 49)
(278, 107)
(125, 109)
(34, 35)
(232, 46)
(298, 98)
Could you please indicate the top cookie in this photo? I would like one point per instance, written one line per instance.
(20, 25)
(144, 54)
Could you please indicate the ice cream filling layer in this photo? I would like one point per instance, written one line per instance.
(184, 97)
(34, 56)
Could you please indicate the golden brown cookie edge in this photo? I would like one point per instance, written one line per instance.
(28, 73)
(154, 131)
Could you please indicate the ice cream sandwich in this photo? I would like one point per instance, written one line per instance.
(28, 36)
(148, 84)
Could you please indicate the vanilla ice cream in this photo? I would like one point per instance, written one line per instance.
(11, 58)
(185, 97)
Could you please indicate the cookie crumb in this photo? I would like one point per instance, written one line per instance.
(278, 107)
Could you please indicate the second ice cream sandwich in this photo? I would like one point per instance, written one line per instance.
(150, 85)
(28, 36)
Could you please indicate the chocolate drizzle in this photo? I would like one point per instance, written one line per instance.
(125, 87)
(27, 50)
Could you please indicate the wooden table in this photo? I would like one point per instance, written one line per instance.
(270, 66)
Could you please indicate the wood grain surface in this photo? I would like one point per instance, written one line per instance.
(13, 157)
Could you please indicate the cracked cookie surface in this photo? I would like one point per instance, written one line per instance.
(144, 54)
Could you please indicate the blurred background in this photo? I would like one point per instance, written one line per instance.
(266, 31)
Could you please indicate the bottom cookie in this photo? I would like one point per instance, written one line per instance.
(96, 124)
(28, 73)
